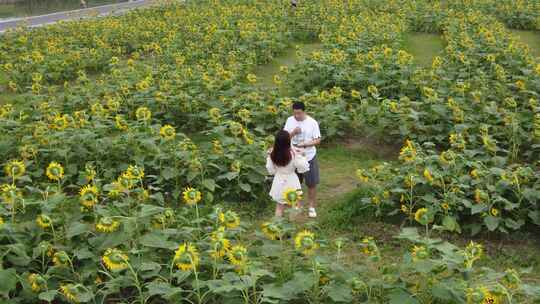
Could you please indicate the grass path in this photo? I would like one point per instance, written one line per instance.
(423, 47)
(531, 38)
(288, 58)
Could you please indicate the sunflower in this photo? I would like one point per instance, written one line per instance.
(61, 258)
(494, 211)
(10, 194)
(45, 248)
(71, 291)
(472, 253)
(277, 80)
(358, 286)
(186, 257)
(37, 282)
(15, 169)
(251, 78)
(236, 128)
(511, 279)
(88, 196)
(236, 166)
(44, 221)
(55, 171)
(373, 90)
(520, 84)
(215, 114)
(107, 225)
(292, 197)
(408, 152)
(272, 231)
(135, 172)
(219, 243)
(248, 138)
(60, 122)
(89, 172)
(423, 216)
(161, 220)
(217, 147)
(419, 253)
(428, 176)
(474, 174)
(445, 206)
(404, 209)
(143, 114)
(238, 255)
(167, 132)
(360, 174)
(120, 122)
(355, 94)
(191, 196)
(481, 295)
(28, 152)
(369, 247)
(244, 115)
(230, 219)
(115, 260)
(271, 109)
(480, 196)
(305, 242)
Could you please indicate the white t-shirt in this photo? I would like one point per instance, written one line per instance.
(310, 131)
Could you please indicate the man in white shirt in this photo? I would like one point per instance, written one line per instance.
(305, 135)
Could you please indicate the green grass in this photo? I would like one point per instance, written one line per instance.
(265, 73)
(531, 38)
(423, 47)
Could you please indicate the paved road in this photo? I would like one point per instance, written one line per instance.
(70, 15)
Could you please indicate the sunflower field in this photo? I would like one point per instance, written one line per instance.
(131, 144)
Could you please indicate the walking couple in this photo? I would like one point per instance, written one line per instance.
(293, 160)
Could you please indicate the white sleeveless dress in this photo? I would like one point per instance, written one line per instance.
(285, 178)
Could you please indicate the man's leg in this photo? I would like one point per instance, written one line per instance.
(312, 180)
(312, 196)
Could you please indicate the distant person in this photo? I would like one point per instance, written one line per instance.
(305, 135)
(283, 162)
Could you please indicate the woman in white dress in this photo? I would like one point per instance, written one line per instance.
(283, 162)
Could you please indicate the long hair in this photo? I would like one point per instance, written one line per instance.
(281, 154)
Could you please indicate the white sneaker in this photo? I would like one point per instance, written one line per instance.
(312, 213)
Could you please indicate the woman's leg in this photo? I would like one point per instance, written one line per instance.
(279, 209)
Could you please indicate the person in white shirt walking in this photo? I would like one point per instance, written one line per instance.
(306, 135)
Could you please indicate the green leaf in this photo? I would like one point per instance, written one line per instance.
(163, 289)
(169, 173)
(339, 292)
(532, 291)
(245, 187)
(478, 208)
(410, 233)
(450, 224)
(77, 228)
(401, 297)
(492, 222)
(209, 184)
(156, 240)
(48, 295)
(17, 254)
(510, 223)
(150, 210)
(8, 277)
(445, 293)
